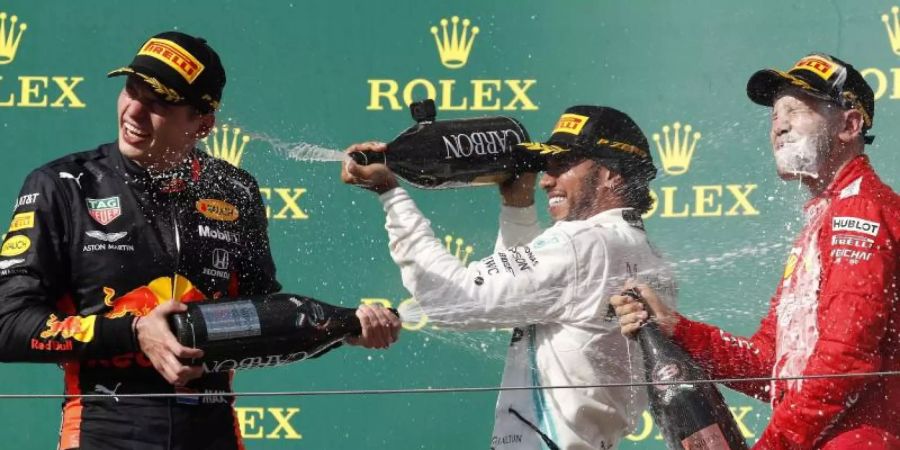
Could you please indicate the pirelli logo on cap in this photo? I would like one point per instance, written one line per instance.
(819, 66)
(570, 123)
(174, 56)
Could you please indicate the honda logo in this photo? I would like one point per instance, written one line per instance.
(220, 259)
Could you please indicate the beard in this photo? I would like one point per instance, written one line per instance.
(583, 203)
(801, 155)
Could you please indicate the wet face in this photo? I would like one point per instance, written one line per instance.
(153, 133)
(804, 130)
(574, 188)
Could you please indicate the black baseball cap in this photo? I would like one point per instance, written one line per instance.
(181, 69)
(822, 76)
(598, 132)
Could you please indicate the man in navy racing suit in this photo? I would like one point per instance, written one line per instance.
(102, 242)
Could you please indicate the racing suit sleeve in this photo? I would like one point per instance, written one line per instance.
(37, 317)
(518, 226)
(724, 355)
(257, 272)
(852, 318)
(516, 286)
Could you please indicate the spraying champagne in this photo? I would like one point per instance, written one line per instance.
(691, 416)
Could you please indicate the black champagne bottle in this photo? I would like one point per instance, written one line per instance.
(261, 331)
(436, 154)
(690, 416)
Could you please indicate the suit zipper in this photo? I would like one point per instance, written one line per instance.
(173, 210)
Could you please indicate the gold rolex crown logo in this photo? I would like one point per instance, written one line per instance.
(893, 29)
(676, 148)
(462, 253)
(227, 144)
(9, 39)
(454, 47)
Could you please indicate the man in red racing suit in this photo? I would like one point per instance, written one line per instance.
(834, 312)
(835, 309)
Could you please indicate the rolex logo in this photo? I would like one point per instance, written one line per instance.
(454, 38)
(9, 39)
(454, 46)
(893, 28)
(227, 145)
(676, 147)
(455, 246)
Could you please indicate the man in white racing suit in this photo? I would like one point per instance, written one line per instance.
(551, 286)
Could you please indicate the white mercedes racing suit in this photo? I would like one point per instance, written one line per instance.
(553, 287)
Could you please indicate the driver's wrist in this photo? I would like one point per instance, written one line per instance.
(667, 323)
(518, 202)
(381, 189)
(134, 333)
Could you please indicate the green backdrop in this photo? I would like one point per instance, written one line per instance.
(329, 73)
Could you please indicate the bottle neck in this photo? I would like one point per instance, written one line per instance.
(366, 157)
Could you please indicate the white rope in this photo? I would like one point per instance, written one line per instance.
(444, 390)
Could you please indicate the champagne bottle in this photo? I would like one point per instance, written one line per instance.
(261, 331)
(690, 416)
(454, 153)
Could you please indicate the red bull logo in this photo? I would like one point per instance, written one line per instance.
(72, 327)
(140, 301)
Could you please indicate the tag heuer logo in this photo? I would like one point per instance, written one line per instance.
(104, 210)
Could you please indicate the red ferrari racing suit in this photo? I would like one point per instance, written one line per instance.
(835, 311)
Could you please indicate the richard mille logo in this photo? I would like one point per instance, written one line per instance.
(229, 144)
(454, 39)
(676, 145)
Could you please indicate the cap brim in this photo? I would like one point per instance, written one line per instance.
(558, 144)
(166, 93)
(120, 71)
(543, 149)
(764, 84)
